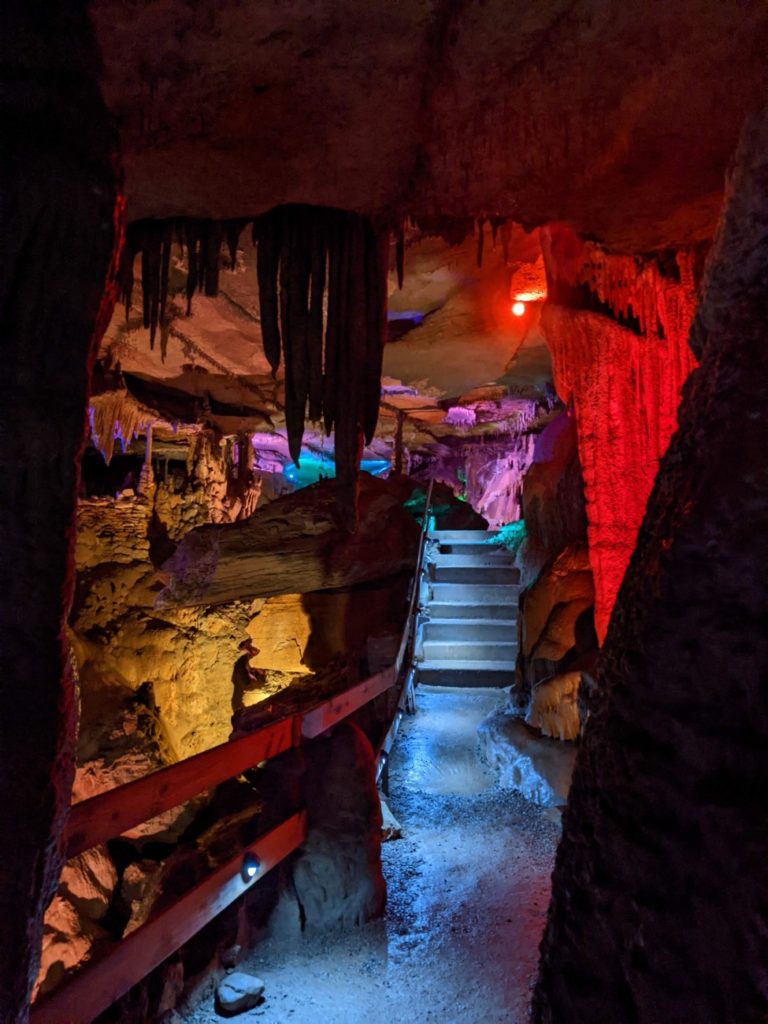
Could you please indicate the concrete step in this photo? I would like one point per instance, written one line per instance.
(469, 548)
(474, 574)
(461, 536)
(471, 630)
(483, 559)
(475, 593)
(446, 650)
(457, 611)
(466, 673)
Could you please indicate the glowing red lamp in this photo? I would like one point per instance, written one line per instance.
(518, 308)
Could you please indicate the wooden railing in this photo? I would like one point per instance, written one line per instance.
(100, 983)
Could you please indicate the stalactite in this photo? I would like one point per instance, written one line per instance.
(400, 254)
(336, 376)
(480, 240)
(625, 386)
(306, 257)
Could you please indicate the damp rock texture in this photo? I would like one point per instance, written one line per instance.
(294, 545)
(337, 877)
(60, 219)
(659, 898)
(587, 111)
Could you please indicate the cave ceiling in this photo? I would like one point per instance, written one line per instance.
(618, 116)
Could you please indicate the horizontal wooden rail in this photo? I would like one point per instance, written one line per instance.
(98, 985)
(112, 813)
(341, 706)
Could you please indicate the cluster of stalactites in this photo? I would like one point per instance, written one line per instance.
(199, 241)
(323, 292)
(661, 302)
(454, 231)
(659, 293)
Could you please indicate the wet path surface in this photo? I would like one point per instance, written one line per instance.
(468, 886)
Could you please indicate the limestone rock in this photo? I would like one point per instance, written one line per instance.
(295, 545)
(68, 941)
(89, 881)
(337, 874)
(138, 889)
(239, 991)
(555, 622)
(554, 708)
(496, 63)
(538, 768)
(553, 495)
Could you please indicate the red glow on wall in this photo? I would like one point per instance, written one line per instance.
(625, 388)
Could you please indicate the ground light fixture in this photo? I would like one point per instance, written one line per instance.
(251, 867)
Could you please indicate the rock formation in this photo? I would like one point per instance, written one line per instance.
(623, 368)
(659, 892)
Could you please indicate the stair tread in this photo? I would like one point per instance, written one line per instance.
(465, 666)
(470, 622)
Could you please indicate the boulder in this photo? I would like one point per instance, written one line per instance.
(89, 881)
(295, 545)
(338, 882)
(554, 708)
(239, 991)
(69, 939)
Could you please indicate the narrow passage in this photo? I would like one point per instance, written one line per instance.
(468, 888)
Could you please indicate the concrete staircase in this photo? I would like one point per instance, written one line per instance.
(468, 635)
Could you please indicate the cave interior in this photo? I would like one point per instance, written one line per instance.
(326, 321)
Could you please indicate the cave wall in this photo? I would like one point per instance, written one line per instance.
(60, 221)
(660, 891)
(622, 365)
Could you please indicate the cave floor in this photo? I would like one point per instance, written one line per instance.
(468, 887)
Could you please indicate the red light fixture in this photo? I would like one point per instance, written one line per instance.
(518, 308)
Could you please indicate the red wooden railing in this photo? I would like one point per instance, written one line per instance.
(100, 983)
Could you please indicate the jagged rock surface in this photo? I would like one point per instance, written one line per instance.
(295, 545)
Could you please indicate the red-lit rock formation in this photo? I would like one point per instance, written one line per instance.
(624, 383)
(660, 889)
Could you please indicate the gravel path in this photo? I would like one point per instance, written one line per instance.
(468, 889)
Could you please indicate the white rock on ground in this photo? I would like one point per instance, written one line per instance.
(239, 991)
(537, 767)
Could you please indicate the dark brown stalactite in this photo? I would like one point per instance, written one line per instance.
(400, 255)
(266, 233)
(480, 240)
(315, 324)
(337, 377)
(337, 303)
(377, 247)
(59, 224)
(232, 231)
